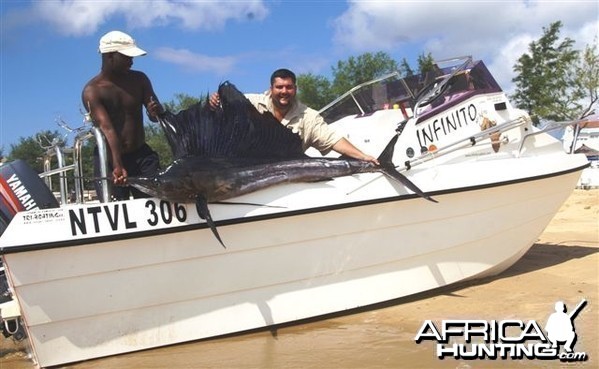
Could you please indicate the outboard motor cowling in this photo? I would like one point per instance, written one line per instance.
(21, 189)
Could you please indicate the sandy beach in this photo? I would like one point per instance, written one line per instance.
(563, 265)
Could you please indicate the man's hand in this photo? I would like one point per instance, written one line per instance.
(119, 176)
(370, 159)
(155, 109)
(214, 101)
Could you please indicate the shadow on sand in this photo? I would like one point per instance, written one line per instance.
(544, 255)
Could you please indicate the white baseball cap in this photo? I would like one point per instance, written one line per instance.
(120, 42)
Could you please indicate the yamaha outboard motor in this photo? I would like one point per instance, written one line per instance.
(21, 189)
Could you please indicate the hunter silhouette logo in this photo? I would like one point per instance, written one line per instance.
(560, 325)
(506, 339)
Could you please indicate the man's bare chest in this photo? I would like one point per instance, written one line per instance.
(122, 97)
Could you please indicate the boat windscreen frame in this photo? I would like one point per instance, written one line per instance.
(360, 98)
(455, 78)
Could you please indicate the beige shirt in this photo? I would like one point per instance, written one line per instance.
(305, 121)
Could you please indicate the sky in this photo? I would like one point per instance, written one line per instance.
(49, 48)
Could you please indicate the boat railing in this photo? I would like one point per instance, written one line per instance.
(103, 157)
(486, 134)
(57, 149)
(552, 126)
(464, 143)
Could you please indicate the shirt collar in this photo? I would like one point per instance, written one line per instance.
(293, 112)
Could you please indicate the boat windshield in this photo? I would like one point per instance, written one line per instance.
(448, 82)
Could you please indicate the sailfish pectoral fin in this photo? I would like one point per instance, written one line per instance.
(393, 173)
(388, 168)
(204, 213)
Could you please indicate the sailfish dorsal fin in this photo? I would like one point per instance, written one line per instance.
(235, 130)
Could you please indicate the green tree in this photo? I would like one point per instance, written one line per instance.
(87, 151)
(363, 68)
(180, 102)
(405, 68)
(544, 86)
(586, 79)
(314, 91)
(426, 63)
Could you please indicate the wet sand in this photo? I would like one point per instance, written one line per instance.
(562, 265)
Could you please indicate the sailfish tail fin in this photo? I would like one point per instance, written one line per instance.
(385, 160)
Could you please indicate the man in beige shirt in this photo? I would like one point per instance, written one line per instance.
(280, 100)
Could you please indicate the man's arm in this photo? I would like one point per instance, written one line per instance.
(100, 116)
(150, 100)
(345, 147)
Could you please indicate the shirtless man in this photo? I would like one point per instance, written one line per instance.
(115, 98)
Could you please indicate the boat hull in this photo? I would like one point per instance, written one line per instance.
(142, 292)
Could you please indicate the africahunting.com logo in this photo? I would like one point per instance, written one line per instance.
(506, 339)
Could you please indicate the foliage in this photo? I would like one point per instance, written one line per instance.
(87, 151)
(543, 82)
(181, 101)
(155, 138)
(586, 79)
(426, 63)
(363, 68)
(314, 91)
(405, 68)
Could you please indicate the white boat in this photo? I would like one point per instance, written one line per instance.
(584, 139)
(96, 279)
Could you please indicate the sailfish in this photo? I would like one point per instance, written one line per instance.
(234, 150)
